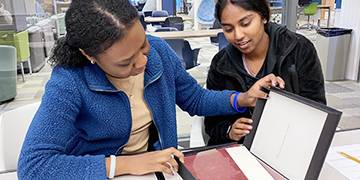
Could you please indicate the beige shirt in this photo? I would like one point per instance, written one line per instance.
(133, 86)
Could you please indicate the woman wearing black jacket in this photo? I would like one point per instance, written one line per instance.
(257, 48)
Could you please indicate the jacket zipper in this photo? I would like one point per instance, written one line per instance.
(282, 58)
(128, 103)
(157, 129)
(152, 114)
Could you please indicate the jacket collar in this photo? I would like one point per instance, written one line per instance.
(282, 42)
(97, 80)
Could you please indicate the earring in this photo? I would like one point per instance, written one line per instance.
(264, 21)
(92, 61)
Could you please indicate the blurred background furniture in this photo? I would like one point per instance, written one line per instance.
(7, 73)
(205, 15)
(310, 10)
(176, 22)
(159, 13)
(216, 25)
(59, 21)
(142, 21)
(147, 13)
(276, 3)
(183, 50)
(222, 41)
(198, 136)
(48, 34)
(150, 5)
(62, 6)
(158, 17)
(187, 34)
(37, 48)
(165, 29)
(19, 10)
(13, 128)
(20, 40)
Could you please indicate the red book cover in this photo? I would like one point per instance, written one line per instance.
(213, 164)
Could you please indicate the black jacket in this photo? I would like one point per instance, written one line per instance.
(290, 56)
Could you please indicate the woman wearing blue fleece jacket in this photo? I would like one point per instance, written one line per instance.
(109, 107)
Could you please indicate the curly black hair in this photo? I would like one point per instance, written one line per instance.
(259, 6)
(93, 26)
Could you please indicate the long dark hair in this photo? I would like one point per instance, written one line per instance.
(259, 6)
(93, 26)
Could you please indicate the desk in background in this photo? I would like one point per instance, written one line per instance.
(150, 19)
(186, 34)
(345, 137)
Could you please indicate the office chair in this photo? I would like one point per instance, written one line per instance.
(142, 21)
(161, 13)
(276, 3)
(222, 40)
(20, 40)
(303, 3)
(310, 10)
(183, 50)
(216, 25)
(147, 13)
(198, 136)
(140, 6)
(190, 55)
(8, 73)
(14, 125)
(176, 22)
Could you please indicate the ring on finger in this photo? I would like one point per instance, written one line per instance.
(171, 167)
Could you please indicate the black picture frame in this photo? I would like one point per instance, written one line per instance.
(324, 141)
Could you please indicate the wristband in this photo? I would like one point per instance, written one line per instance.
(241, 109)
(112, 166)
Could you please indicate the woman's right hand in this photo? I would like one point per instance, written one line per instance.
(156, 161)
(249, 97)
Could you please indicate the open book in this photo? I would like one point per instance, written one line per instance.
(226, 163)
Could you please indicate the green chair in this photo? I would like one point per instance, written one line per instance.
(20, 40)
(7, 73)
(310, 10)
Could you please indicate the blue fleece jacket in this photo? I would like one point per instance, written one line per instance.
(83, 118)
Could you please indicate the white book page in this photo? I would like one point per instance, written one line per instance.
(248, 163)
(287, 135)
(150, 176)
